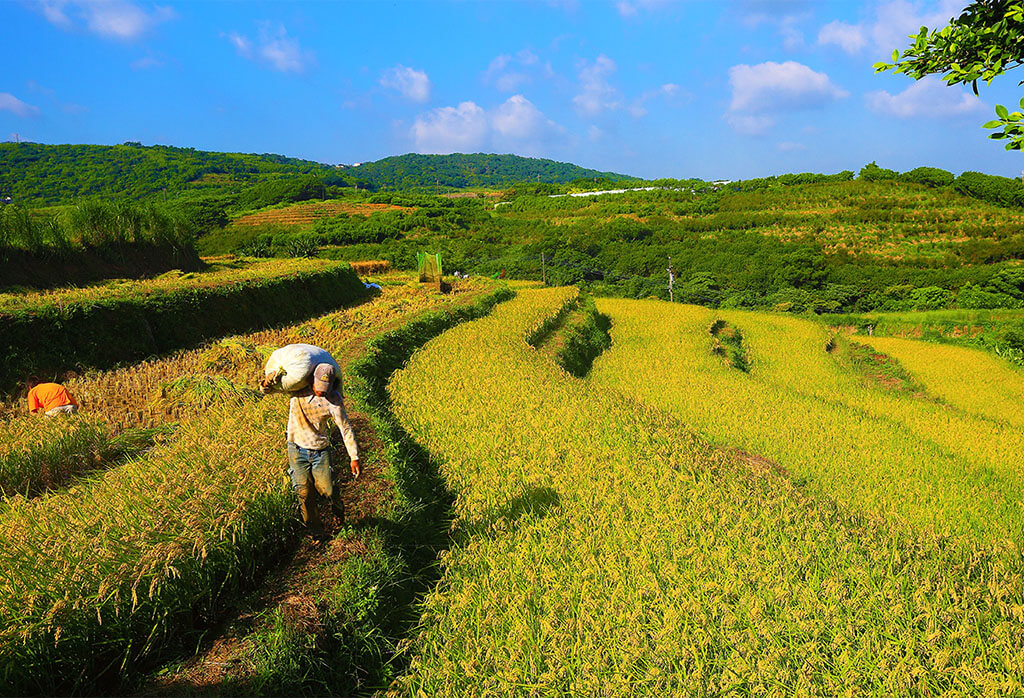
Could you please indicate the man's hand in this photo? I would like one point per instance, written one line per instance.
(355, 467)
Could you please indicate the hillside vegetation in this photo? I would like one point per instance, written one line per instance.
(37, 174)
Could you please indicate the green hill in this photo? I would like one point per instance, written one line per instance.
(36, 174)
(475, 170)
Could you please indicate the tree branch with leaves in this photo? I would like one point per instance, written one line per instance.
(985, 41)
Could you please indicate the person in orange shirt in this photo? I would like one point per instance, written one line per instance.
(50, 398)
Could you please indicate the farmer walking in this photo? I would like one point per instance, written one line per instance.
(51, 399)
(310, 416)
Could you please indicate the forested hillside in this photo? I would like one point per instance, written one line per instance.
(476, 170)
(33, 173)
(36, 174)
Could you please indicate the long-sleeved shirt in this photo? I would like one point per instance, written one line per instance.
(309, 421)
(46, 396)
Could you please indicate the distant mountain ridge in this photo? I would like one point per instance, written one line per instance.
(38, 174)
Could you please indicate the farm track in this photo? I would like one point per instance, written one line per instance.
(295, 591)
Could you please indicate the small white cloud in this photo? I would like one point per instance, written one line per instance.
(630, 8)
(594, 133)
(750, 124)
(509, 73)
(849, 37)
(790, 146)
(928, 97)
(146, 63)
(774, 86)
(243, 46)
(451, 129)
(273, 48)
(9, 102)
(626, 9)
(596, 94)
(412, 84)
(668, 91)
(112, 19)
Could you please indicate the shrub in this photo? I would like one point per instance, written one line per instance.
(929, 176)
(873, 173)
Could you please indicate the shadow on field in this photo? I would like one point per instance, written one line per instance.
(535, 502)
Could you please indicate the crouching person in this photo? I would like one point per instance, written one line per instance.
(312, 415)
(51, 399)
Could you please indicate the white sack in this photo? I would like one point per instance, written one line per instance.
(290, 368)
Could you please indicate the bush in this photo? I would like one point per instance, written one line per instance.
(929, 176)
(1002, 191)
(873, 173)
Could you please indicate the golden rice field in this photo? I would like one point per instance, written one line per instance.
(604, 546)
(923, 462)
(127, 562)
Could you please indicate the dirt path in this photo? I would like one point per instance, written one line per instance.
(224, 663)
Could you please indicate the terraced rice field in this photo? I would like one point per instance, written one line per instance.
(97, 579)
(310, 212)
(605, 545)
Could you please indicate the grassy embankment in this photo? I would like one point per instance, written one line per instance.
(603, 547)
(100, 327)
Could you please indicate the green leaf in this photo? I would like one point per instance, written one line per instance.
(992, 124)
(1022, 102)
(1001, 111)
(895, 55)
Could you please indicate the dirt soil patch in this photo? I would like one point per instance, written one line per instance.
(310, 212)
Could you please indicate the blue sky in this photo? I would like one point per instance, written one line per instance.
(653, 88)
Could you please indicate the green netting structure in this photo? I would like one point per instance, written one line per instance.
(429, 267)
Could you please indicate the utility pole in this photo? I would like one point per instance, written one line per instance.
(17, 138)
(671, 279)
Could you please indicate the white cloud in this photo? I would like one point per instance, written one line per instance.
(750, 124)
(774, 86)
(898, 19)
(451, 129)
(242, 45)
(146, 63)
(596, 94)
(849, 37)
(630, 8)
(669, 90)
(9, 102)
(112, 19)
(274, 48)
(594, 133)
(519, 119)
(413, 84)
(517, 124)
(894, 22)
(508, 73)
(790, 146)
(928, 97)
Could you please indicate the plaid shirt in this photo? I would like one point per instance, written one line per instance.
(310, 417)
